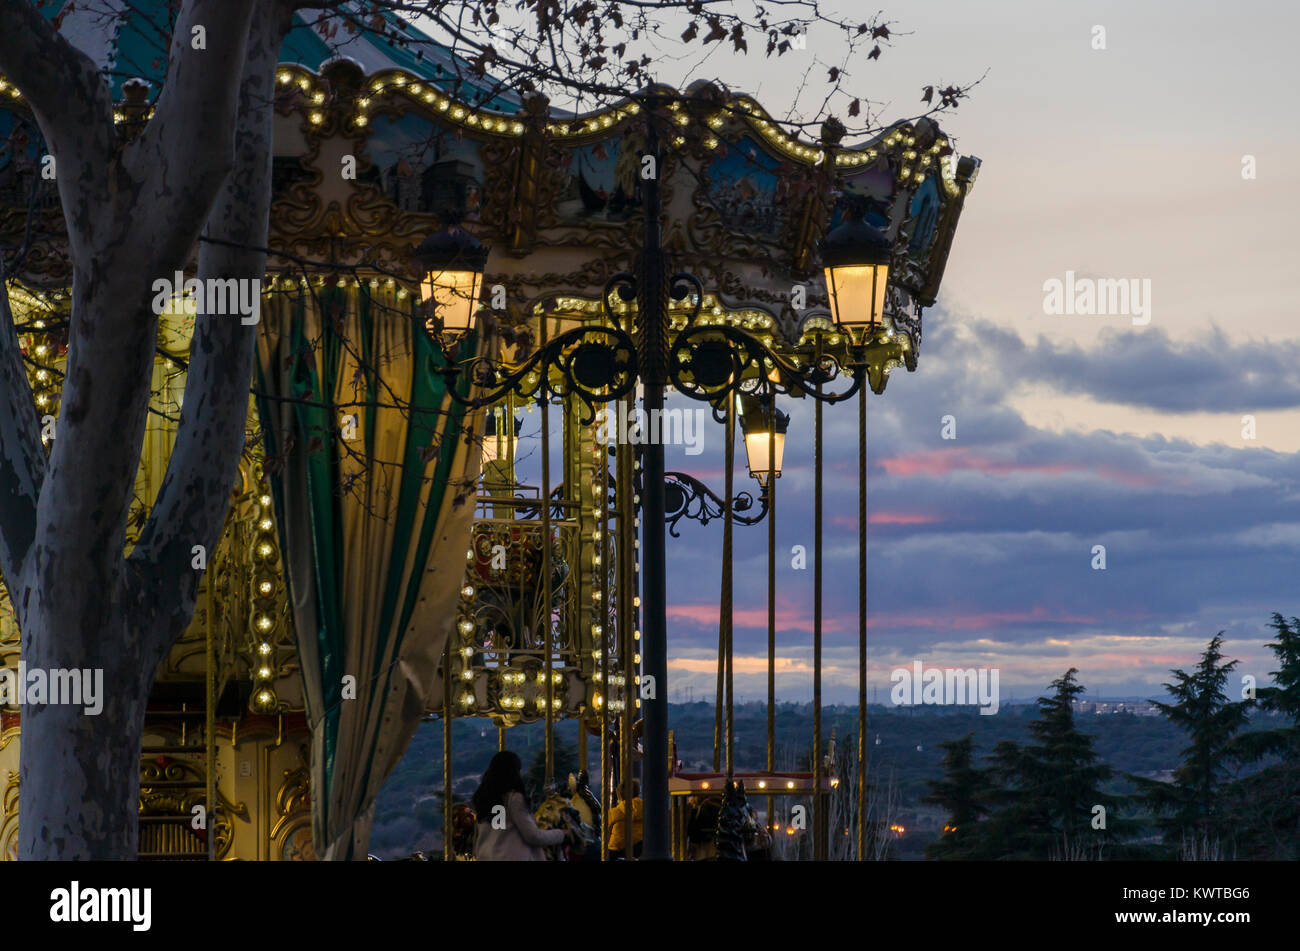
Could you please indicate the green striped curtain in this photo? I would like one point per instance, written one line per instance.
(373, 528)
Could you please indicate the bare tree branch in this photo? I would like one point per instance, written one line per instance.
(169, 158)
(194, 497)
(69, 97)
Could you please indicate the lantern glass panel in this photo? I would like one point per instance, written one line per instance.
(455, 294)
(857, 293)
(757, 450)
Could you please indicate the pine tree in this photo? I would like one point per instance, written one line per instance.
(1264, 808)
(1190, 807)
(1282, 699)
(1048, 806)
(963, 793)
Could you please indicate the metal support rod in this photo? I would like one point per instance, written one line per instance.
(627, 612)
(720, 689)
(818, 808)
(209, 727)
(770, 489)
(653, 358)
(862, 624)
(547, 607)
(605, 695)
(448, 851)
(729, 478)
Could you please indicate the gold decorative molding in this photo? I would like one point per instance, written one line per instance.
(9, 819)
(291, 836)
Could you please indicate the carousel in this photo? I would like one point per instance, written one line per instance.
(443, 265)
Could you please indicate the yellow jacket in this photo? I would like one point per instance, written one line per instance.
(616, 816)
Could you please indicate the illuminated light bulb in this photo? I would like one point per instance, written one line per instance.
(264, 648)
(264, 623)
(317, 118)
(265, 525)
(265, 550)
(264, 500)
(285, 77)
(264, 673)
(467, 591)
(467, 674)
(265, 587)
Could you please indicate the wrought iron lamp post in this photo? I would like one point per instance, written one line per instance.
(715, 363)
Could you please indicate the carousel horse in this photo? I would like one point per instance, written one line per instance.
(736, 824)
(560, 811)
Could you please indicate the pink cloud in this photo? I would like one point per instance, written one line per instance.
(885, 518)
(755, 618)
(977, 620)
(944, 461)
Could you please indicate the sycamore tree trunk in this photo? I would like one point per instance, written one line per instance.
(134, 212)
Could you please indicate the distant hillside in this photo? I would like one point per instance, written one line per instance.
(408, 812)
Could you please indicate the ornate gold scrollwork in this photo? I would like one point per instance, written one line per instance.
(291, 835)
(9, 819)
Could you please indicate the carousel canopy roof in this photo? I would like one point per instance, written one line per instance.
(127, 38)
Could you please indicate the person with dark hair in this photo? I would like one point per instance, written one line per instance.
(506, 829)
